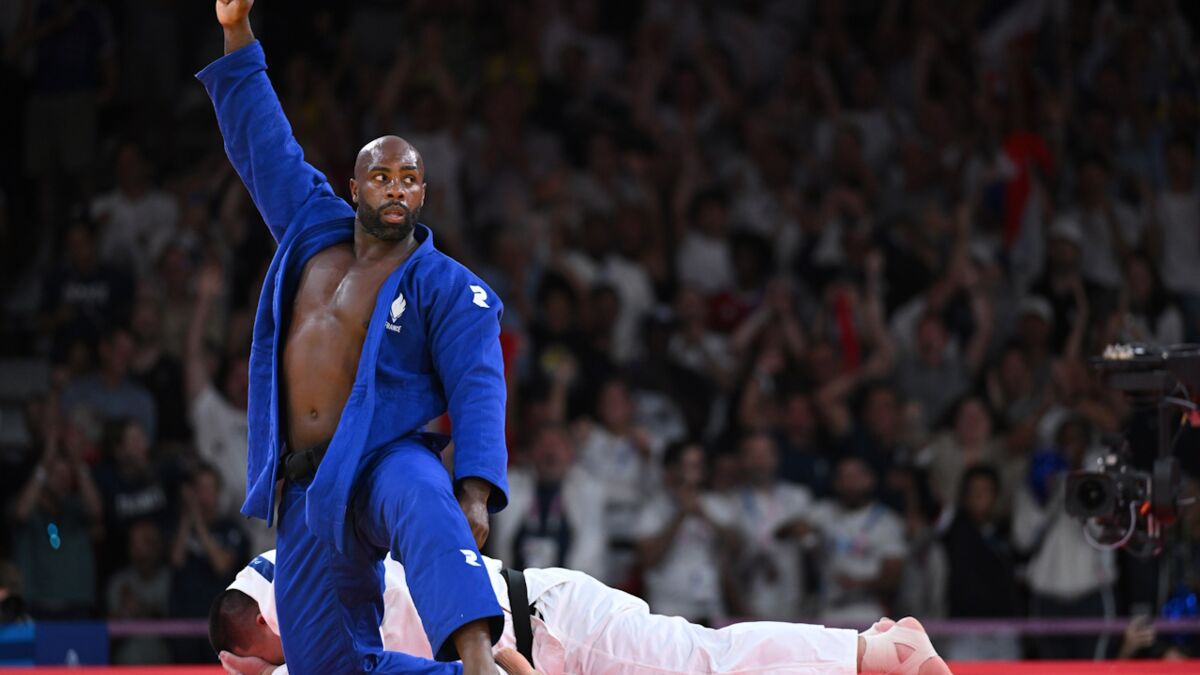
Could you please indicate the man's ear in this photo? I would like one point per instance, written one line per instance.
(424, 193)
(353, 190)
(260, 620)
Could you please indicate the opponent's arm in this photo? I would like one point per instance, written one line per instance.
(258, 137)
(464, 331)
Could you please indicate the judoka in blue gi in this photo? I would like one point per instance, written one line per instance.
(364, 333)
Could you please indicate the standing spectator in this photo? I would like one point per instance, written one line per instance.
(621, 457)
(1173, 236)
(110, 393)
(74, 74)
(803, 460)
(969, 443)
(159, 371)
(704, 259)
(1067, 576)
(768, 514)
(686, 539)
(982, 579)
(862, 546)
(1147, 312)
(205, 555)
(56, 515)
(141, 591)
(132, 487)
(137, 219)
(1110, 228)
(83, 295)
(555, 513)
(218, 416)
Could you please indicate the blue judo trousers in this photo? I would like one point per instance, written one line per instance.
(432, 345)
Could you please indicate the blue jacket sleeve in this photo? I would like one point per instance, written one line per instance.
(464, 333)
(259, 141)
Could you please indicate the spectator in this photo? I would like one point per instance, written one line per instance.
(159, 371)
(206, 553)
(219, 415)
(555, 513)
(862, 546)
(1067, 576)
(969, 443)
(133, 488)
(769, 516)
(803, 458)
(982, 579)
(141, 591)
(110, 393)
(56, 516)
(83, 296)
(1174, 210)
(1110, 229)
(704, 259)
(12, 598)
(137, 220)
(622, 458)
(1149, 315)
(686, 540)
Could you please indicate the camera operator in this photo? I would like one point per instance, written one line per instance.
(1067, 577)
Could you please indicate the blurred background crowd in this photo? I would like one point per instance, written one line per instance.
(800, 294)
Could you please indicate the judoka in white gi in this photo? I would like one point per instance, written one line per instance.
(582, 627)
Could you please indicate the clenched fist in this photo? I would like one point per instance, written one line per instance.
(231, 13)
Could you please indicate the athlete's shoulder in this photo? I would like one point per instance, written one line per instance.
(436, 274)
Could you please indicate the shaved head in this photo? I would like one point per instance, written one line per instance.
(387, 146)
(388, 188)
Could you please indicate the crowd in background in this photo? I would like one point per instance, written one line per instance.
(799, 294)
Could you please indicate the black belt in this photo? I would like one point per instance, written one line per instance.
(518, 599)
(301, 465)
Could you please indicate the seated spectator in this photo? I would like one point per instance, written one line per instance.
(1174, 211)
(555, 512)
(1067, 576)
(141, 591)
(768, 514)
(686, 540)
(862, 546)
(55, 516)
(205, 555)
(110, 393)
(982, 579)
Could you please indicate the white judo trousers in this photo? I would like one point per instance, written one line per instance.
(582, 627)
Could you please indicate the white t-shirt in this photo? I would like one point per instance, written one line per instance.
(704, 263)
(1178, 215)
(687, 580)
(222, 439)
(135, 232)
(774, 586)
(1098, 261)
(855, 544)
(633, 287)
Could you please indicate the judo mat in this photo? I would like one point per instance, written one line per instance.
(960, 668)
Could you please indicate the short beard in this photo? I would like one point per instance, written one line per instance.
(372, 222)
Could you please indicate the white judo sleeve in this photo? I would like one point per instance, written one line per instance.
(587, 628)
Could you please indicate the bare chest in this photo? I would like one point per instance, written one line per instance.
(335, 288)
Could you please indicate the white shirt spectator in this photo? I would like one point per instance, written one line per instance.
(1064, 565)
(221, 438)
(583, 502)
(855, 544)
(1098, 262)
(633, 287)
(772, 568)
(687, 580)
(1178, 214)
(704, 263)
(135, 231)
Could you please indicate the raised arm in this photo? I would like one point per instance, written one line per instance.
(258, 138)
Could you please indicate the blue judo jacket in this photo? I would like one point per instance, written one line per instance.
(433, 338)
